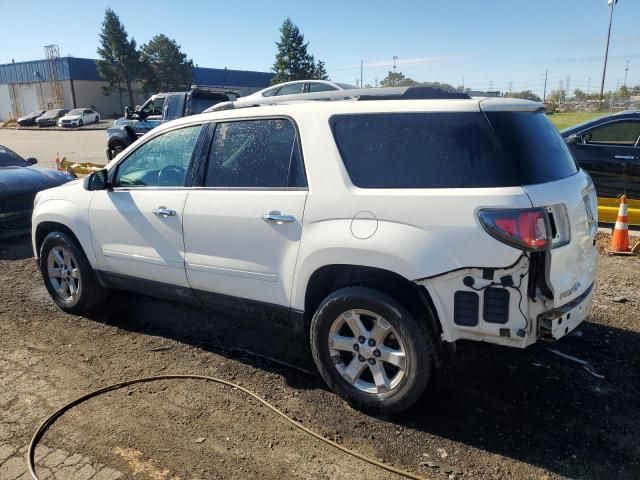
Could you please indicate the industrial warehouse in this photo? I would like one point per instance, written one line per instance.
(69, 82)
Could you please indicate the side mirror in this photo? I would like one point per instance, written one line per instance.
(97, 181)
(31, 161)
(571, 139)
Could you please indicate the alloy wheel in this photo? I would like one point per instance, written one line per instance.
(367, 351)
(63, 273)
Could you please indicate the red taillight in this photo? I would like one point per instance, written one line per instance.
(528, 228)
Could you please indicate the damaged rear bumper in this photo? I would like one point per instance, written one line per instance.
(555, 324)
(505, 306)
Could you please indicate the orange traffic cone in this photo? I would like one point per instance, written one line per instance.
(620, 237)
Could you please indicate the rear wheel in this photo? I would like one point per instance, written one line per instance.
(68, 276)
(371, 350)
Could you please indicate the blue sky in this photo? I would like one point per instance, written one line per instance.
(491, 43)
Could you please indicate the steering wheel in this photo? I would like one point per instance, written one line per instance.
(171, 176)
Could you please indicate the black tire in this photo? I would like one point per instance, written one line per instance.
(90, 293)
(80, 123)
(418, 350)
(115, 148)
(96, 120)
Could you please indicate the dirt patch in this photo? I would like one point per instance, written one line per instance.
(495, 413)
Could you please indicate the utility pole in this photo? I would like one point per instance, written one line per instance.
(588, 85)
(395, 57)
(626, 70)
(568, 82)
(361, 64)
(606, 50)
(510, 86)
(463, 84)
(546, 76)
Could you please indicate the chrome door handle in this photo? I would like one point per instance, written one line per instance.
(164, 212)
(278, 218)
(624, 157)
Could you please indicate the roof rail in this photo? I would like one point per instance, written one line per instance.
(361, 94)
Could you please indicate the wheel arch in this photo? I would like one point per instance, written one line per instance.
(45, 228)
(329, 278)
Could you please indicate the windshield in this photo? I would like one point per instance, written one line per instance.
(77, 111)
(9, 158)
(450, 150)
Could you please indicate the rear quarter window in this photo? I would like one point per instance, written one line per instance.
(442, 150)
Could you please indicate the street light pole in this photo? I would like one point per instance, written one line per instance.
(606, 51)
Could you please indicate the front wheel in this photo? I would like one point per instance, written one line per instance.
(96, 120)
(80, 123)
(371, 350)
(68, 275)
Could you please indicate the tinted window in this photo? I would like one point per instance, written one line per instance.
(255, 153)
(9, 158)
(618, 133)
(160, 162)
(320, 87)
(268, 93)
(290, 89)
(533, 144)
(440, 150)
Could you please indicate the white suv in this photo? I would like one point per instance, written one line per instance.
(382, 229)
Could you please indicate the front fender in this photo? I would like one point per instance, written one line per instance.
(69, 214)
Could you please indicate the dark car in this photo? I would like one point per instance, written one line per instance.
(50, 118)
(18, 187)
(609, 149)
(30, 118)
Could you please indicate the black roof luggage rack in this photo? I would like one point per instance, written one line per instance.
(359, 94)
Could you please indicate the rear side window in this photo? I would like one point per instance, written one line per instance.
(438, 150)
(254, 153)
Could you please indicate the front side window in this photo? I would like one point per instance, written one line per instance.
(252, 153)
(161, 162)
(154, 106)
(618, 133)
(291, 89)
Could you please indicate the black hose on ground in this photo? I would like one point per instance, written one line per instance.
(61, 411)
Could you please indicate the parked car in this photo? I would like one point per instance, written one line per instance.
(18, 187)
(382, 231)
(161, 108)
(79, 117)
(50, 118)
(299, 86)
(609, 149)
(30, 118)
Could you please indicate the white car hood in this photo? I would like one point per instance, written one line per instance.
(71, 117)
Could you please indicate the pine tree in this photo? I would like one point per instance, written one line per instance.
(293, 61)
(165, 67)
(320, 72)
(120, 59)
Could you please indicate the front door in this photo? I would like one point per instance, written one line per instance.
(242, 227)
(137, 226)
(607, 152)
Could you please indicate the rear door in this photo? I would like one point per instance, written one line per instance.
(608, 153)
(242, 227)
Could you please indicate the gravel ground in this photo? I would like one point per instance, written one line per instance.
(495, 413)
